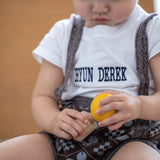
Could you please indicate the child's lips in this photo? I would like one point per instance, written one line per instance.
(101, 20)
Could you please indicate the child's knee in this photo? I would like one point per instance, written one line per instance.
(34, 146)
(136, 150)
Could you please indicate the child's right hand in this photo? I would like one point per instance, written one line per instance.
(65, 124)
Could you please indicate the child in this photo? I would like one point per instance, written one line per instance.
(104, 62)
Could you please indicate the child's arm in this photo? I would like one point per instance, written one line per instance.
(133, 107)
(151, 104)
(45, 106)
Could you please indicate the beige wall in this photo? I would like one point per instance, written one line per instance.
(23, 24)
(147, 5)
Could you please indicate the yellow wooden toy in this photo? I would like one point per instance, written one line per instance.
(93, 117)
(94, 107)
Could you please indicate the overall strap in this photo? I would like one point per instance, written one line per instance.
(73, 45)
(142, 59)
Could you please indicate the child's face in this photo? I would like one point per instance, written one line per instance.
(107, 12)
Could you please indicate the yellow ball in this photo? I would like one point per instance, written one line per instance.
(94, 106)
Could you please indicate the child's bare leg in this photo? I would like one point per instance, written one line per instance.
(29, 147)
(136, 151)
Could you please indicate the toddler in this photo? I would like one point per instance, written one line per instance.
(106, 60)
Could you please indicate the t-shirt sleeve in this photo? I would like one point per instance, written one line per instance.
(53, 47)
(49, 48)
(154, 37)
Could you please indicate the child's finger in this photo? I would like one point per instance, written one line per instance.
(69, 129)
(77, 127)
(64, 134)
(110, 99)
(114, 119)
(115, 126)
(114, 106)
(76, 115)
(71, 125)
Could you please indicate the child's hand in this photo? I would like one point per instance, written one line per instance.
(65, 124)
(128, 107)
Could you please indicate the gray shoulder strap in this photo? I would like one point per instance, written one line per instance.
(142, 60)
(73, 45)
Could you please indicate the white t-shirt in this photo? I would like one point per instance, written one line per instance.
(105, 59)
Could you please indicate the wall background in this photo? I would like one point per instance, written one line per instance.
(157, 6)
(22, 25)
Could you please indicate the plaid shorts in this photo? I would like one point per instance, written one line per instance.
(103, 143)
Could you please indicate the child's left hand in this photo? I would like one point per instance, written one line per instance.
(128, 107)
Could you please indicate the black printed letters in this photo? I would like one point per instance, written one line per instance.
(112, 74)
(104, 74)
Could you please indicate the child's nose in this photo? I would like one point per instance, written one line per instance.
(100, 6)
